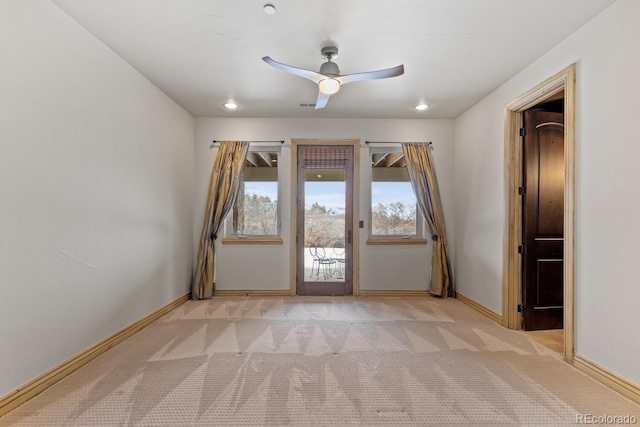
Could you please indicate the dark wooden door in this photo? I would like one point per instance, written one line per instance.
(543, 220)
(324, 212)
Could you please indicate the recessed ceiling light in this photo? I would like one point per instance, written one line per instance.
(421, 107)
(231, 105)
(269, 9)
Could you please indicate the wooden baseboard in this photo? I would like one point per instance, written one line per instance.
(608, 378)
(286, 293)
(39, 384)
(480, 308)
(398, 293)
(252, 293)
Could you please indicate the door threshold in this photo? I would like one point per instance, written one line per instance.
(553, 339)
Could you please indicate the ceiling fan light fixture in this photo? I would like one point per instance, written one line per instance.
(231, 105)
(421, 107)
(329, 86)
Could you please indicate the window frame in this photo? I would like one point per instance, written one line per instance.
(391, 239)
(231, 237)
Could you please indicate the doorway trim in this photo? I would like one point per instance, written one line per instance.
(355, 143)
(512, 265)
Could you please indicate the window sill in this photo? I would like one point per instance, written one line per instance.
(395, 241)
(252, 241)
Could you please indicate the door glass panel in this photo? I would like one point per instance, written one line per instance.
(324, 225)
(324, 230)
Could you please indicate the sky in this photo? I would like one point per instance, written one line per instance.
(269, 189)
(390, 192)
(328, 194)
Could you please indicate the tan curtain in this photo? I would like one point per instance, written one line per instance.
(223, 188)
(423, 180)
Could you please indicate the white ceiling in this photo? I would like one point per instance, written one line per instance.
(205, 52)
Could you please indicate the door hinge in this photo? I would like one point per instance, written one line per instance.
(523, 131)
(520, 308)
(521, 249)
(522, 190)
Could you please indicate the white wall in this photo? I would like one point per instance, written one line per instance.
(96, 192)
(607, 54)
(267, 267)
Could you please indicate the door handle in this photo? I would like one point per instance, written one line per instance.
(349, 236)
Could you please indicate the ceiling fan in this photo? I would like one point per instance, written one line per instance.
(329, 78)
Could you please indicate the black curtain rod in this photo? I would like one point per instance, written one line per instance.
(397, 142)
(215, 141)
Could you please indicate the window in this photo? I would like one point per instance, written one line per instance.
(256, 209)
(393, 203)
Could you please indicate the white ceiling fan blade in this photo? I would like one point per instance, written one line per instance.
(307, 74)
(322, 100)
(371, 75)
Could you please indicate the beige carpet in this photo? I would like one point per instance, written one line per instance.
(318, 361)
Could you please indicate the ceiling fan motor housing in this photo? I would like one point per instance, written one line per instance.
(330, 68)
